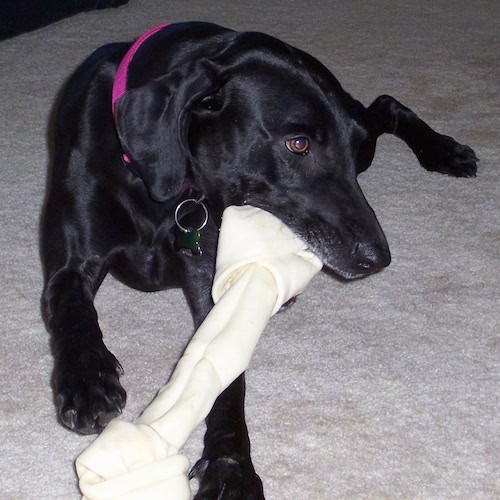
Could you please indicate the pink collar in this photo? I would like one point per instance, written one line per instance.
(120, 83)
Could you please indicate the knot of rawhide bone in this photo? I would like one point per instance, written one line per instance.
(252, 235)
(260, 265)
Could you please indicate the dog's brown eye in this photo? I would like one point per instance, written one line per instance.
(298, 145)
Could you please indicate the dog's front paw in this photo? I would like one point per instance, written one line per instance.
(227, 478)
(88, 391)
(445, 155)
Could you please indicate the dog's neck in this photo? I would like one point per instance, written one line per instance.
(120, 87)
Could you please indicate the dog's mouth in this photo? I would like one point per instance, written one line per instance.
(345, 275)
(353, 269)
(344, 253)
(341, 253)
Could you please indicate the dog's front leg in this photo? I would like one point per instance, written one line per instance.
(225, 469)
(435, 152)
(86, 375)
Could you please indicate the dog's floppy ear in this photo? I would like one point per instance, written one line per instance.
(152, 125)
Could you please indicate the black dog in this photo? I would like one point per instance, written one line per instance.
(235, 118)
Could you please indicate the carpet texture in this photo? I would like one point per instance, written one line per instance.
(381, 388)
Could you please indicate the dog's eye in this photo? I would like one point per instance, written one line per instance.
(212, 103)
(298, 145)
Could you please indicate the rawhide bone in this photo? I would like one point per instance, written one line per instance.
(260, 265)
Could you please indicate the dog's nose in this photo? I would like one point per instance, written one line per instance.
(370, 257)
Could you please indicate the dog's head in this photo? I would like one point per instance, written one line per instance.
(264, 124)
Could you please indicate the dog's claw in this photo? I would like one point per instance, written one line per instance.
(119, 368)
(289, 303)
(69, 418)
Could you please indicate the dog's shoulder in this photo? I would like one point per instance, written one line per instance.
(101, 64)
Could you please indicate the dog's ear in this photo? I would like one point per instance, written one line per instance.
(152, 123)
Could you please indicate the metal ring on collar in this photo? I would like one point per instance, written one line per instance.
(197, 202)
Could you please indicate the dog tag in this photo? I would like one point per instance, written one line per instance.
(188, 240)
